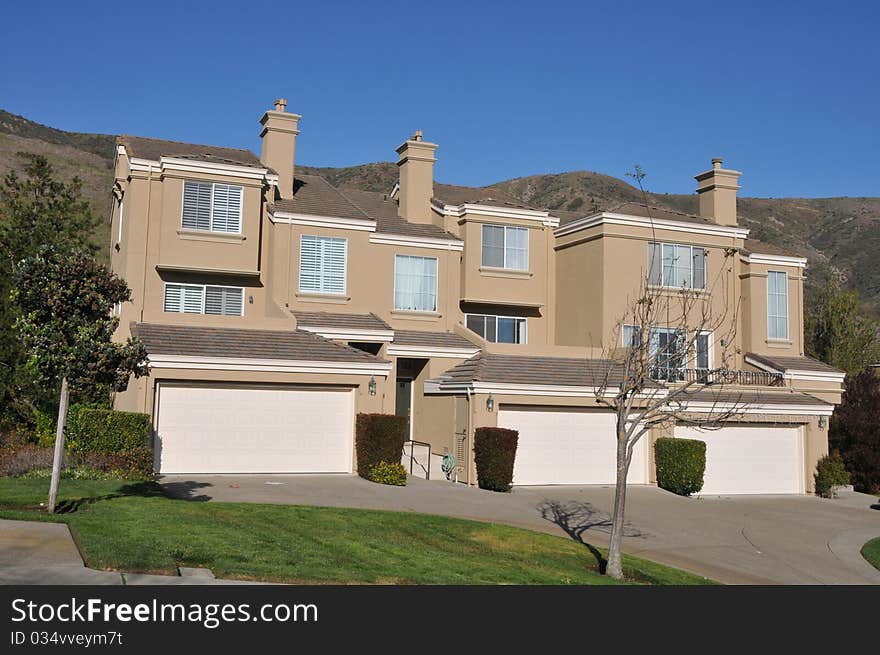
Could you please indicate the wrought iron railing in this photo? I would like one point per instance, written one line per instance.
(718, 376)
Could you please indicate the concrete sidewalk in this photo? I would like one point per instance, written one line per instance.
(732, 539)
(34, 553)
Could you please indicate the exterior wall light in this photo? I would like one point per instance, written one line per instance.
(371, 386)
(822, 422)
(490, 403)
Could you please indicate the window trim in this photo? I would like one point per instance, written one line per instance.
(211, 229)
(710, 348)
(436, 285)
(787, 336)
(204, 288)
(323, 292)
(525, 330)
(676, 245)
(505, 267)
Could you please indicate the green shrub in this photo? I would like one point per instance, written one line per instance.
(494, 455)
(379, 438)
(45, 429)
(106, 430)
(391, 473)
(31, 461)
(830, 472)
(680, 465)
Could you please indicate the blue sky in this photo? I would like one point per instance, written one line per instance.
(788, 92)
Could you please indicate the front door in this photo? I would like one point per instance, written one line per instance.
(403, 401)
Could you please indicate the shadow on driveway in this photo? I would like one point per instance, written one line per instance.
(576, 517)
(186, 490)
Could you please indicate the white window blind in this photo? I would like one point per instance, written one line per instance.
(415, 283)
(505, 247)
(203, 299)
(777, 305)
(211, 207)
(227, 301)
(322, 264)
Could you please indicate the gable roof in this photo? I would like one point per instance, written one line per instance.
(155, 149)
(294, 345)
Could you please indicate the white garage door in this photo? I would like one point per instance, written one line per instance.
(216, 429)
(568, 447)
(751, 460)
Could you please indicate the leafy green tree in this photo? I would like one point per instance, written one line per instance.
(36, 211)
(836, 331)
(65, 303)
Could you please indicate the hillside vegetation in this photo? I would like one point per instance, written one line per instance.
(843, 233)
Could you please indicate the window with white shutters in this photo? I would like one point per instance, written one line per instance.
(212, 207)
(322, 264)
(204, 299)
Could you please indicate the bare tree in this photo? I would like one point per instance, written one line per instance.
(657, 361)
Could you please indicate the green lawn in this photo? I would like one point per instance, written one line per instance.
(134, 527)
(871, 552)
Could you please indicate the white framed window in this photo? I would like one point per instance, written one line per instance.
(498, 329)
(121, 213)
(204, 299)
(211, 207)
(675, 265)
(667, 353)
(415, 283)
(323, 263)
(630, 336)
(777, 305)
(505, 246)
(703, 351)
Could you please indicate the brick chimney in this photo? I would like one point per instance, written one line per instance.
(717, 189)
(279, 144)
(416, 179)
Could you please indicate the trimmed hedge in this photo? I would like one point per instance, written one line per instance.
(680, 465)
(830, 472)
(379, 438)
(106, 431)
(391, 473)
(494, 455)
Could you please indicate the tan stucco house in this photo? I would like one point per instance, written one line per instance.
(275, 307)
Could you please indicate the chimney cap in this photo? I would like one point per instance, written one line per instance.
(716, 162)
(281, 104)
(417, 136)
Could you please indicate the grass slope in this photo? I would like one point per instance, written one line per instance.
(871, 552)
(134, 527)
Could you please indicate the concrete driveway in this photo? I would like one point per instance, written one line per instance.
(735, 539)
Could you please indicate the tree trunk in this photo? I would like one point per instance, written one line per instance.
(59, 446)
(614, 566)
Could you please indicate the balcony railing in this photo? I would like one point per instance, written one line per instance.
(718, 376)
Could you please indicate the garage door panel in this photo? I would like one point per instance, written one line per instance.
(254, 430)
(565, 447)
(751, 459)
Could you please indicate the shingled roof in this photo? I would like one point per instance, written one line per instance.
(296, 345)
(751, 397)
(337, 320)
(755, 247)
(431, 339)
(783, 363)
(155, 149)
(533, 370)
